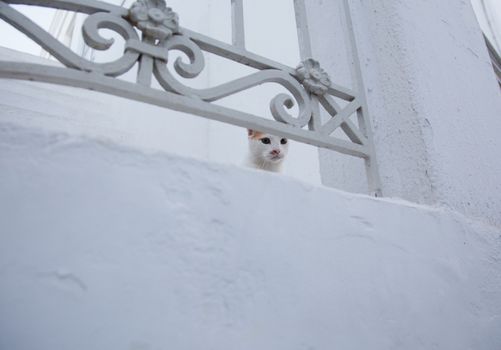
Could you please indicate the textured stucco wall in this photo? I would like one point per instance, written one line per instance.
(433, 98)
(104, 247)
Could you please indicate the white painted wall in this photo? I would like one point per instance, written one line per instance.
(200, 138)
(105, 247)
(433, 98)
(488, 13)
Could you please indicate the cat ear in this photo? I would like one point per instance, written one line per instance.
(250, 132)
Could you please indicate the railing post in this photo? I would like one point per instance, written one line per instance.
(237, 23)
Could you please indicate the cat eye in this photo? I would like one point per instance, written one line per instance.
(283, 141)
(266, 140)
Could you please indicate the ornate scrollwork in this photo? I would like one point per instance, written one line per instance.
(160, 28)
(278, 105)
(186, 70)
(90, 31)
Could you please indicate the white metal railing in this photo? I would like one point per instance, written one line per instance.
(151, 30)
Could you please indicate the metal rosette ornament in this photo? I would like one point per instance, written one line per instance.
(154, 19)
(313, 77)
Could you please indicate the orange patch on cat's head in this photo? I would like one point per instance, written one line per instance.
(255, 135)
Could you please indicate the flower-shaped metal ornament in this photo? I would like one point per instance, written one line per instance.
(313, 77)
(154, 18)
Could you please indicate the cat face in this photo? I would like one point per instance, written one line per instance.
(267, 148)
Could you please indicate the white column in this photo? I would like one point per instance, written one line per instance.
(489, 17)
(432, 95)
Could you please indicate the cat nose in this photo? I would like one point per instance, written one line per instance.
(275, 152)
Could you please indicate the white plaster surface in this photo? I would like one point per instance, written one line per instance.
(488, 13)
(433, 98)
(106, 247)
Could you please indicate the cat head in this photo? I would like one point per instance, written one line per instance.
(267, 149)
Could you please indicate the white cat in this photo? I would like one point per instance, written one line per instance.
(266, 152)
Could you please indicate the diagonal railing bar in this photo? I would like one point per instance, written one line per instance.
(340, 118)
(354, 134)
(330, 105)
(308, 86)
